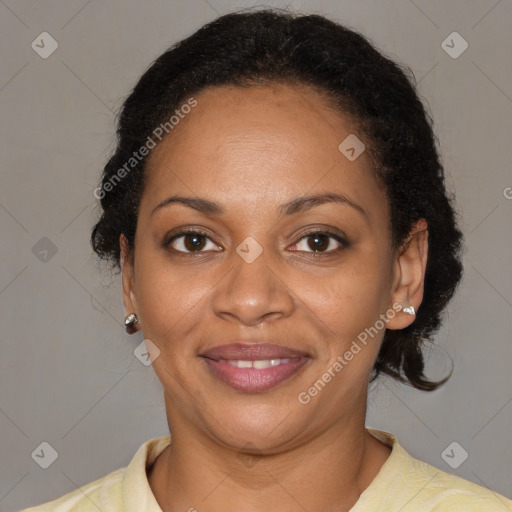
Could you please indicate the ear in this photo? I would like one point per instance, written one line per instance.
(409, 275)
(128, 277)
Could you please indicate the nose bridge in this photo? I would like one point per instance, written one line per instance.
(253, 266)
(253, 289)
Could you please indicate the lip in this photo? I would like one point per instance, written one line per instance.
(252, 379)
(252, 352)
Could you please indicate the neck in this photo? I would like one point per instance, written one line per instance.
(196, 473)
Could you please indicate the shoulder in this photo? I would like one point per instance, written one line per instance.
(102, 494)
(411, 484)
(440, 491)
(127, 487)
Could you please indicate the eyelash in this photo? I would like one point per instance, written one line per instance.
(185, 232)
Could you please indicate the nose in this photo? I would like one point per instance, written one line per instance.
(253, 292)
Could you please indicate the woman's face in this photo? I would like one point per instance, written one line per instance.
(254, 276)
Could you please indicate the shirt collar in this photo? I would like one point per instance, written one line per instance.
(136, 492)
(138, 496)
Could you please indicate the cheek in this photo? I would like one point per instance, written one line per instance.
(170, 300)
(352, 298)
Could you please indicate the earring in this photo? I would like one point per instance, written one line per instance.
(409, 310)
(129, 323)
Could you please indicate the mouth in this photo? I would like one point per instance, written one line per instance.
(254, 367)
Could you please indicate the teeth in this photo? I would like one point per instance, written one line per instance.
(260, 364)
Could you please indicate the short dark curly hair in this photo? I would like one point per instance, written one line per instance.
(276, 46)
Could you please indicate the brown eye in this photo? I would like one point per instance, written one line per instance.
(320, 242)
(194, 242)
(190, 241)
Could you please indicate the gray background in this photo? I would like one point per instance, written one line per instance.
(68, 373)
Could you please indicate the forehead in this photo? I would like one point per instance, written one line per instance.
(256, 145)
(288, 119)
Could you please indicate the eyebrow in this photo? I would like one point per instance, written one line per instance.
(292, 207)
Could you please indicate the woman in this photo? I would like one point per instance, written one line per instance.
(277, 207)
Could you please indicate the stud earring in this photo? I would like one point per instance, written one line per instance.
(129, 323)
(409, 310)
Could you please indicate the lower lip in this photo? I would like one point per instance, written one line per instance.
(251, 379)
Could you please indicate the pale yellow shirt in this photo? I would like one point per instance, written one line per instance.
(403, 484)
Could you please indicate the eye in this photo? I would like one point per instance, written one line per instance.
(190, 241)
(321, 242)
(194, 241)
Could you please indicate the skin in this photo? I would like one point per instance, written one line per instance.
(251, 150)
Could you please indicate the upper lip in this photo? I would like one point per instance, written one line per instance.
(252, 352)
